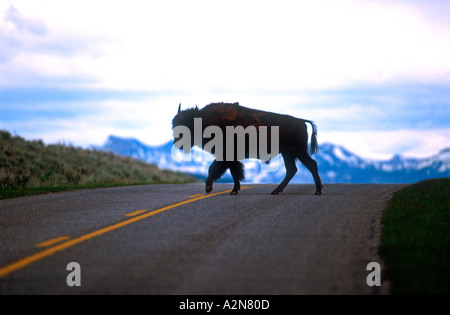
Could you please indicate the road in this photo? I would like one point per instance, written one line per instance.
(174, 239)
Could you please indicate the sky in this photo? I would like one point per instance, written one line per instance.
(373, 75)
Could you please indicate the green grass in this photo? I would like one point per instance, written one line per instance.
(31, 167)
(415, 240)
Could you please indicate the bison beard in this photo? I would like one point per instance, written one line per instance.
(293, 140)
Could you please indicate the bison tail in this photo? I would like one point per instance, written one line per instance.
(314, 147)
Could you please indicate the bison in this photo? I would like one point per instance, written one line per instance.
(292, 140)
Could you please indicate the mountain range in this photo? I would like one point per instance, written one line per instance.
(336, 164)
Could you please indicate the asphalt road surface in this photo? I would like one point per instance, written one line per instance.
(175, 239)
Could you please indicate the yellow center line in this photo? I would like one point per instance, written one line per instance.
(195, 195)
(132, 214)
(21, 263)
(53, 241)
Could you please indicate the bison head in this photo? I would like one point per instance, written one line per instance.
(183, 128)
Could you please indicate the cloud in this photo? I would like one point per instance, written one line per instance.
(206, 45)
(37, 55)
(282, 47)
(20, 24)
(355, 67)
(373, 123)
(383, 144)
(87, 117)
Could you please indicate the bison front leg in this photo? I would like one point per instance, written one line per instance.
(291, 169)
(216, 170)
(237, 172)
(208, 185)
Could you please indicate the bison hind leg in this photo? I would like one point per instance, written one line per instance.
(276, 191)
(291, 169)
(311, 165)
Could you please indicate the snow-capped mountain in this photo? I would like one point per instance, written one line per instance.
(336, 164)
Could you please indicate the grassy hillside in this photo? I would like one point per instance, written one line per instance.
(28, 167)
(416, 238)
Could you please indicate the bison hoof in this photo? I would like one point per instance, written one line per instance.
(319, 191)
(276, 191)
(234, 192)
(208, 188)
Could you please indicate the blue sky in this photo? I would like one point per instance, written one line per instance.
(373, 75)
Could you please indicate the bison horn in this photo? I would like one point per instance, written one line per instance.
(179, 108)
